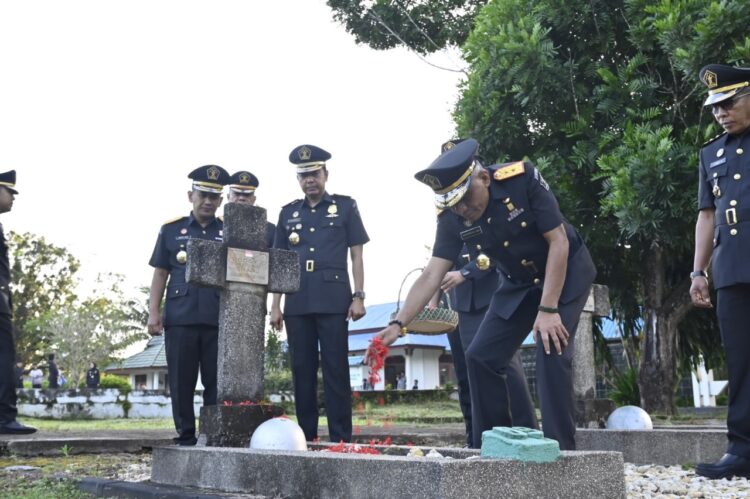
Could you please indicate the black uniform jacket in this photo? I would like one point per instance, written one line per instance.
(520, 210)
(321, 236)
(185, 304)
(725, 185)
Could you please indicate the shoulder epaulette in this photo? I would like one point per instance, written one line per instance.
(173, 220)
(291, 203)
(221, 218)
(712, 139)
(343, 196)
(509, 171)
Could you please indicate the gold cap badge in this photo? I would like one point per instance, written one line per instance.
(304, 153)
(213, 173)
(710, 79)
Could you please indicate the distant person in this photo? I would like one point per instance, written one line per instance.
(416, 385)
(61, 380)
(401, 382)
(8, 377)
(242, 186)
(326, 231)
(191, 312)
(19, 372)
(92, 377)
(37, 377)
(53, 373)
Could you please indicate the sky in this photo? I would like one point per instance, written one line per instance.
(105, 107)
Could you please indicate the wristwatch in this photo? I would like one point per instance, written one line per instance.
(358, 294)
(402, 332)
(698, 273)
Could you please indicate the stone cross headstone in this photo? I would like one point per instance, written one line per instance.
(591, 412)
(245, 270)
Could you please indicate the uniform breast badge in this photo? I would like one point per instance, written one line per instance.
(181, 257)
(294, 239)
(483, 262)
(332, 211)
(716, 190)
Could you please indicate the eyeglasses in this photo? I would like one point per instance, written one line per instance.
(727, 104)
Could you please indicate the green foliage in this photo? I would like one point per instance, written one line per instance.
(278, 381)
(43, 277)
(94, 329)
(624, 388)
(113, 381)
(422, 25)
(276, 352)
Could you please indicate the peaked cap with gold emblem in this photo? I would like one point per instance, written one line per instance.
(447, 146)
(8, 180)
(723, 81)
(450, 174)
(209, 178)
(243, 182)
(309, 158)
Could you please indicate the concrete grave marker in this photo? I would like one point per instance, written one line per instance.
(245, 271)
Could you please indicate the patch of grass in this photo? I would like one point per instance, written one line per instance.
(30, 487)
(428, 412)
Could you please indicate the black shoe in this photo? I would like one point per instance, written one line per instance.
(728, 466)
(16, 428)
(185, 441)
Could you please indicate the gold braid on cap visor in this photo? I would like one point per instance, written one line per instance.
(310, 167)
(447, 197)
(208, 187)
(727, 88)
(242, 189)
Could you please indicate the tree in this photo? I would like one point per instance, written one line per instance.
(96, 328)
(424, 26)
(604, 97)
(43, 282)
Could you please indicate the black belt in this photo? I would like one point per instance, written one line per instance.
(313, 265)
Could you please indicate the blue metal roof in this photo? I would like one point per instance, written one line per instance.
(378, 316)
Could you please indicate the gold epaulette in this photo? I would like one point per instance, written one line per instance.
(712, 139)
(509, 171)
(173, 220)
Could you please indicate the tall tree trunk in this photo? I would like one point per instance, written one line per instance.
(663, 311)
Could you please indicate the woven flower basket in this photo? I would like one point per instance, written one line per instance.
(433, 321)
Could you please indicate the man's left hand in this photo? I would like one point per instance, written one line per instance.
(356, 310)
(451, 280)
(550, 329)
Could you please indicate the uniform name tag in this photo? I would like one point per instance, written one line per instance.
(473, 232)
(718, 162)
(293, 220)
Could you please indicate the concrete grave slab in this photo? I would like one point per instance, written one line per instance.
(325, 475)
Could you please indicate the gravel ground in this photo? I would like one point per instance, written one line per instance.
(653, 481)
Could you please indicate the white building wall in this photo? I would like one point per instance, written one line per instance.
(424, 366)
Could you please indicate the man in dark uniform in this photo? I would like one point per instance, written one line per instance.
(8, 410)
(723, 230)
(242, 186)
(508, 214)
(191, 313)
(471, 284)
(320, 228)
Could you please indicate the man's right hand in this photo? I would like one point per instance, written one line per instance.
(154, 325)
(277, 319)
(699, 293)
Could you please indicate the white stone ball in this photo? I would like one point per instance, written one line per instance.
(279, 434)
(629, 417)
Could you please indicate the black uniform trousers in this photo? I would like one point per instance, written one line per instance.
(8, 409)
(522, 406)
(304, 332)
(190, 348)
(488, 359)
(732, 303)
